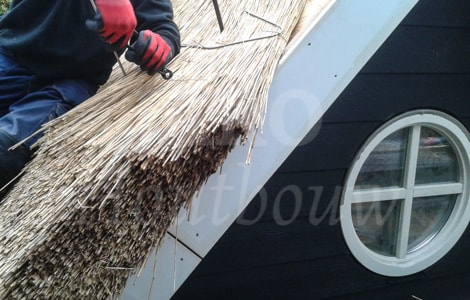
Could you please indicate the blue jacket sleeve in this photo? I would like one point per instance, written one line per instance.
(157, 15)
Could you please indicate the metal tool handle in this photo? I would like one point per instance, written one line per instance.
(166, 73)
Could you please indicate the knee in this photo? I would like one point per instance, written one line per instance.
(74, 92)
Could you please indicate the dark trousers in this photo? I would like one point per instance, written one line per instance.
(26, 103)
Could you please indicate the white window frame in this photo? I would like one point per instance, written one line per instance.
(406, 263)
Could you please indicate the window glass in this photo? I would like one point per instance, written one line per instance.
(429, 215)
(437, 161)
(385, 165)
(376, 224)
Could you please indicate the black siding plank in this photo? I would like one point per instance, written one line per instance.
(423, 50)
(451, 288)
(334, 277)
(301, 280)
(441, 13)
(288, 196)
(455, 262)
(269, 244)
(382, 96)
(333, 148)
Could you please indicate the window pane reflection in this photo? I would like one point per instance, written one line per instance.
(385, 165)
(428, 216)
(376, 224)
(437, 161)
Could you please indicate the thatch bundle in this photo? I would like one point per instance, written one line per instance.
(109, 176)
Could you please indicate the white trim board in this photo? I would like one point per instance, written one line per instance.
(309, 78)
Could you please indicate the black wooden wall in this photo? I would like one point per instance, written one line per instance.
(288, 244)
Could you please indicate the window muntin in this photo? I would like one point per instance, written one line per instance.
(407, 187)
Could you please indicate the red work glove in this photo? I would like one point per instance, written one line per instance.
(115, 21)
(150, 51)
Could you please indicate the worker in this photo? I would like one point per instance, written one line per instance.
(55, 54)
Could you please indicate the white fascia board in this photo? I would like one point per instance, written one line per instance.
(165, 270)
(309, 78)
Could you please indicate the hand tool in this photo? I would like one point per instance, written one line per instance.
(218, 14)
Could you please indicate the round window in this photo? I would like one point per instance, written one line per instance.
(406, 198)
